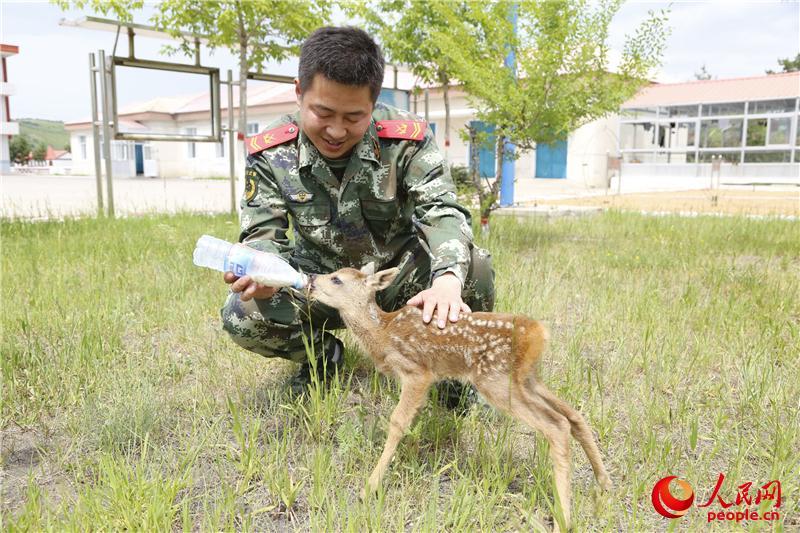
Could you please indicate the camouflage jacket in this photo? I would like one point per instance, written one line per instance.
(395, 193)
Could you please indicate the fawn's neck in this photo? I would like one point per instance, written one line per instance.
(365, 323)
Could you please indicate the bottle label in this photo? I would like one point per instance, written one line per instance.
(238, 260)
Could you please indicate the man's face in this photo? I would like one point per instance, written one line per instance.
(334, 116)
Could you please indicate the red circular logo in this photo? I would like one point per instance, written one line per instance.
(668, 505)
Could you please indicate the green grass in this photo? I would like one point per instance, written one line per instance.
(126, 407)
(49, 132)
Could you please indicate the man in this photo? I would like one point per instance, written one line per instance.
(362, 182)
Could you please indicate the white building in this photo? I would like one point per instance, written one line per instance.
(667, 135)
(7, 128)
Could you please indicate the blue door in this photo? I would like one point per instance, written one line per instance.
(486, 154)
(139, 159)
(551, 160)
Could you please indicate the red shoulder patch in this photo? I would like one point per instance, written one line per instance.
(273, 137)
(412, 130)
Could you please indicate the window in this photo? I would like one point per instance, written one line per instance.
(777, 156)
(771, 106)
(121, 150)
(82, 145)
(678, 111)
(721, 133)
(797, 131)
(676, 135)
(148, 151)
(756, 132)
(779, 130)
(639, 113)
(191, 152)
(637, 136)
(252, 128)
(715, 110)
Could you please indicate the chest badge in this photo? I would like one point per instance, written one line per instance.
(301, 197)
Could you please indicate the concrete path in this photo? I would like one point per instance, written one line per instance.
(36, 197)
(46, 197)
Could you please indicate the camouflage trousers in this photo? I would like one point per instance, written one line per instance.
(275, 327)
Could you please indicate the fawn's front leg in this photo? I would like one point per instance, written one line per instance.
(412, 396)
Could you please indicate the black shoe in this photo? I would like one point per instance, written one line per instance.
(327, 365)
(456, 396)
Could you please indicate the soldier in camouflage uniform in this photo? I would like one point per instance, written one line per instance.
(361, 182)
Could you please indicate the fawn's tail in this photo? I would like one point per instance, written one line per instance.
(532, 344)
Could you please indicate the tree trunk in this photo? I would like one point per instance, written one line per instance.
(446, 88)
(475, 174)
(488, 204)
(243, 69)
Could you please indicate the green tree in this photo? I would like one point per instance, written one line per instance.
(256, 30)
(702, 74)
(39, 152)
(788, 65)
(406, 30)
(561, 55)
(19, 148)
(122, 10)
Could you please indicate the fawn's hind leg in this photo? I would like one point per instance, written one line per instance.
(537, 414)
(580, 430)
(555, 427)
(412, 395)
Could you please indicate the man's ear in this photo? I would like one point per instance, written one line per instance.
(383, 279)
(297, 92)
(368, 269)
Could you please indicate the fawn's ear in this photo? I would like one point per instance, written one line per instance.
(368, 269)
(381, 280)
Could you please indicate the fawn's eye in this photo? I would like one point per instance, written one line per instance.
(336, 280)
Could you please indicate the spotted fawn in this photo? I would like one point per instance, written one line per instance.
(496, 352)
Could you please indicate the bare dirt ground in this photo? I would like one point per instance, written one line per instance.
(731, 202)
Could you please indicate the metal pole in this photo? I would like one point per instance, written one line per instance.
(130, 43)
(106, 102)
(98, 173)
(508, 147)
(231, 142)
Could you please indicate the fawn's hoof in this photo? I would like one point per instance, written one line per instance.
(605, 483)
(368, 490)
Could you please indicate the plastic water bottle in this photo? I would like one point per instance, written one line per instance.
(264, 268)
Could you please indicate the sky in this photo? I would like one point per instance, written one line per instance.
(51, 72)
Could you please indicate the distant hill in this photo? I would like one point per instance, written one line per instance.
(50, 132)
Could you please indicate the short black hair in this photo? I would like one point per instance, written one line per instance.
(346, 55)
